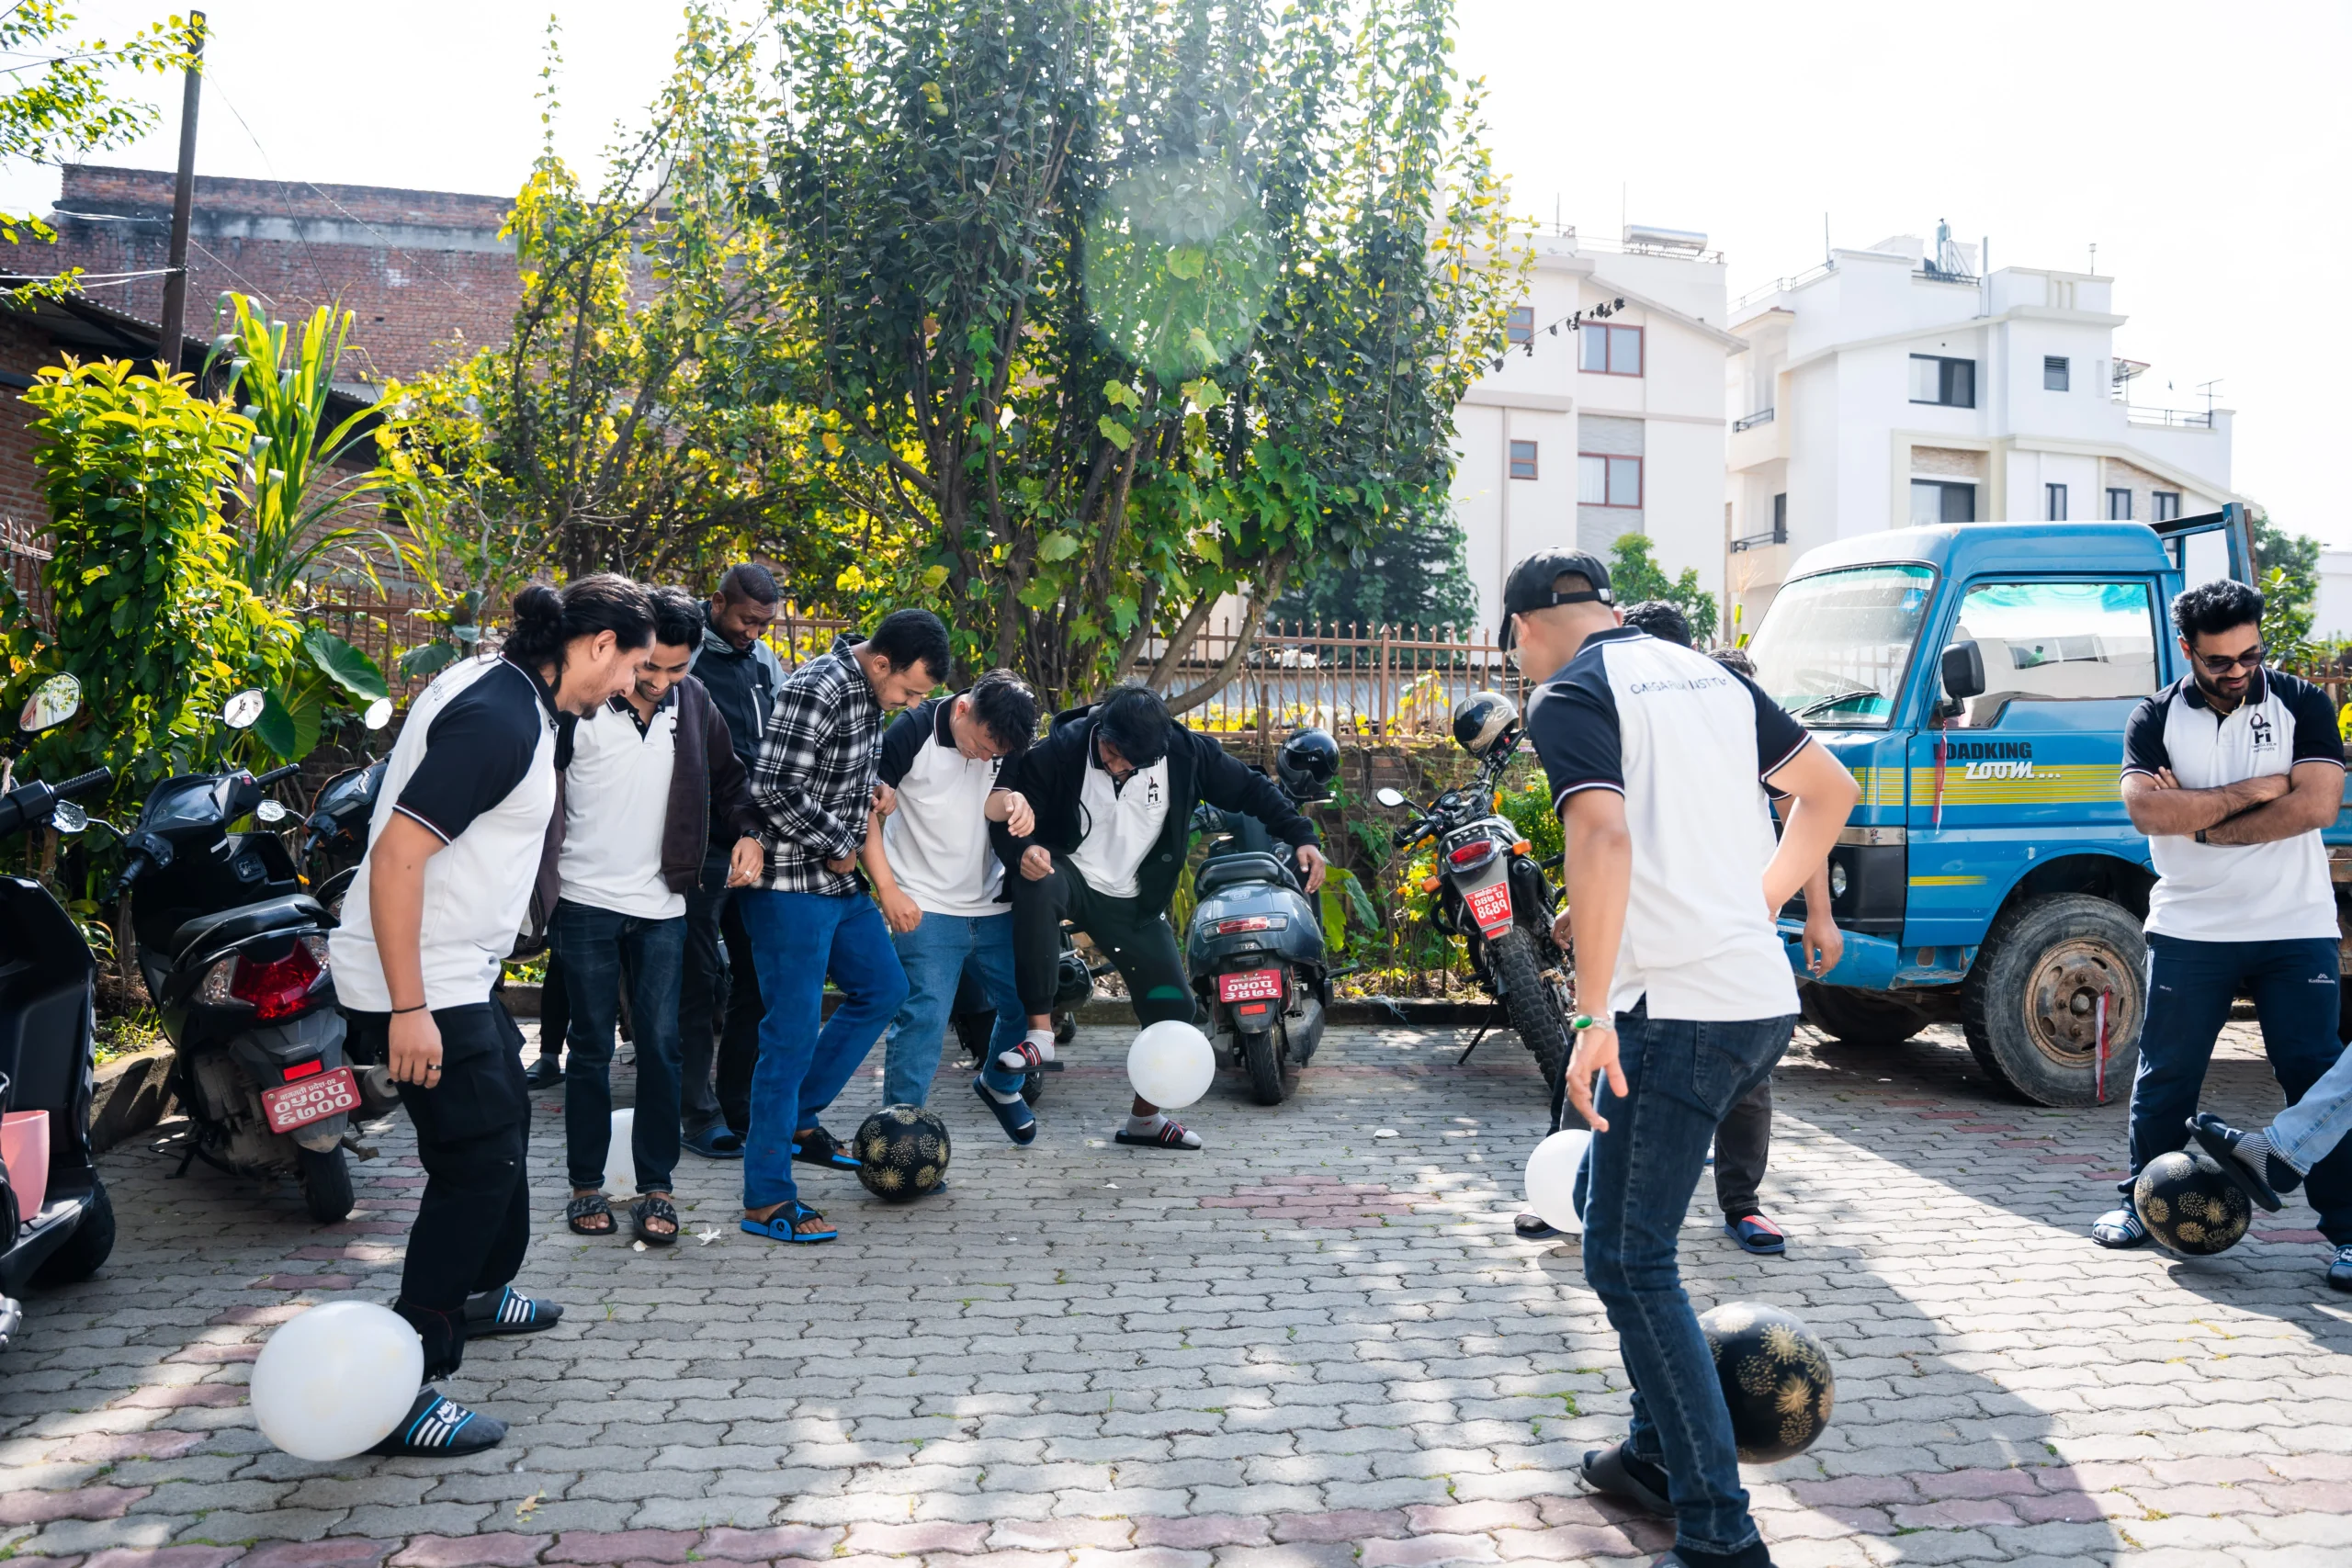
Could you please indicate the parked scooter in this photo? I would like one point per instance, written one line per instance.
(334, 837)
(235, 954)
(1491, 891)
(1255, 948)
(56, 1222)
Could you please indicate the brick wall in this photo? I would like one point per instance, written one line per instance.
(423, 272)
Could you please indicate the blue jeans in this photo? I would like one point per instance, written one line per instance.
(598, 947)
(796, 940)
(933, 954)
(2308, 1131)
(1681, 1080)
(2189, 985)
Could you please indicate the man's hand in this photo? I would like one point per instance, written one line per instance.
(1037, 864)
(1563, 927)
(1019, 817)
(886, 800)
(745, 863)
(1596, 1051)
(902, 912)
(1822, 944)
(1311, 861)
(416, 1049)
(843, 867)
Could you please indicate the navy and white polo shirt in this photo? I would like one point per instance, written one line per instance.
(1689, 744)
(2272, 892)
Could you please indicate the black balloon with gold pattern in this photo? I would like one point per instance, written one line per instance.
(901, 1153)
(1776, 1378)
(2189, 1205)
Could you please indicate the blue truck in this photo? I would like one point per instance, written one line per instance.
(1976, 679)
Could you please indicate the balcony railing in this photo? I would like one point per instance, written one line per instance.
(1781, 286)
(1761, 416)
(2195, 419)
(1779, 536)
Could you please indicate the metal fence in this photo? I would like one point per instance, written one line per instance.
(1369, 682)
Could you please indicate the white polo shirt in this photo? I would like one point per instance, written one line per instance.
(615, 805)
(937, 841)
(2273, 892)
(1118, 824)
(474, 764)
(1689, 744)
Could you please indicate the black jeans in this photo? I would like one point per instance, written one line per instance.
(1135, 939)
(719, 978)
(473, 1131)
(555, 1010)
(605, 952)
(1743, 1146)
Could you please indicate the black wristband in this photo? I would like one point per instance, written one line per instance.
(418, 1008)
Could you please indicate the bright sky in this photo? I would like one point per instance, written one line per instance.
(2206, 153)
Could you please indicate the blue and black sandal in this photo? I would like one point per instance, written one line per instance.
(784, 1225)
(436, 1428)
(817, 1147)
(508, 1311)
(1756, 1234)
(1013, 1117)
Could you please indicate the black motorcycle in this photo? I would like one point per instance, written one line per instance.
(48, 1031)
(235, 954)
(1254, 949)
(1490, 889)
(334, 836)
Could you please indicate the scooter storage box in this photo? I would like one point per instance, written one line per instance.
(24, 1145)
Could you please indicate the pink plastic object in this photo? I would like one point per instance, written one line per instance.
(24, 1144)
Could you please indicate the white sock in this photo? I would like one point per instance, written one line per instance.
(1146, 1126)
(1041, 1039)
(999, 1095)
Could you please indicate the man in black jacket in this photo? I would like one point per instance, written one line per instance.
(1112, 788)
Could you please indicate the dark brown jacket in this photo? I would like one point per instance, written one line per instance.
(709, 791)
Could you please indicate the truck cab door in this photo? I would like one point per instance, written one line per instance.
(2029, 768)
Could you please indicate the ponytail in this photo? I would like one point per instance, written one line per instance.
(546, 619)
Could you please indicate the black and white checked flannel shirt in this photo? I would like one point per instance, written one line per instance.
(814, 780)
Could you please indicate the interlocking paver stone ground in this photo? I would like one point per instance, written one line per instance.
(1309, 1344)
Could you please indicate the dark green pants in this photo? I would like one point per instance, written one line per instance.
(1135, 938)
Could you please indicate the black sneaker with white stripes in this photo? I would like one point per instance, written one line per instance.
(436, 1428)
(508, 1311)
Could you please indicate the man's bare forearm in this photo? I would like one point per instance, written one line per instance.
(2180, 813)
(2299, 810)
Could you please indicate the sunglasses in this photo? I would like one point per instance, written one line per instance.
(2251, 659)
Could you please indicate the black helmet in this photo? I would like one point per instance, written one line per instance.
(1482, 719)
(1308, 762)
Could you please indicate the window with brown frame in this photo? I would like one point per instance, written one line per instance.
(1603, 479)
(1523, 459)
(1610, 350)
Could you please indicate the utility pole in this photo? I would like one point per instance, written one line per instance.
(183, 200)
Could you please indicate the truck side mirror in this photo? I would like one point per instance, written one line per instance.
(1963, 672)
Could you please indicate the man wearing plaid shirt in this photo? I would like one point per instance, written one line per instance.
(809, 915)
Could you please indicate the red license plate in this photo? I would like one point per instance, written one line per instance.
(1490, 906)
(312, 1100)
(1256, 985)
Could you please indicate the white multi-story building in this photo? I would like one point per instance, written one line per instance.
(1617, 428)
(1893, 386)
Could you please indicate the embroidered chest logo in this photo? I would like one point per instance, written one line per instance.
(2258, 726)
(1151, 791)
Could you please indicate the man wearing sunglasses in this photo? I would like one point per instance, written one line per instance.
(2232, 771)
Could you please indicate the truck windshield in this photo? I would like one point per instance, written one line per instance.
(1833, 647)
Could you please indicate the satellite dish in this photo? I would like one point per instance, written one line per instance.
(379, 714)
(53, 702)
(243, 710)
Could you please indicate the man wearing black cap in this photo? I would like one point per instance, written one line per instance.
(1112, 787)
(1662, 763)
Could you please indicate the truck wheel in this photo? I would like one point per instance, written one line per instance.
(1262, 1054)
(2030, 1006)
(86, 1250)
(1859, 1018)
(1535, 1007)
(326, 1184)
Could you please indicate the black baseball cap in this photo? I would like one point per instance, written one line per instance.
(1528, 586)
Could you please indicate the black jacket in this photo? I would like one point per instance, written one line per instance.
(742, 684)
(710, 797)
(1052, 773)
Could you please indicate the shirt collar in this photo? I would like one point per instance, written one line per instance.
(1614, 634)
(540, 687)
(2258, 692)
(942, 730)
(620, 703)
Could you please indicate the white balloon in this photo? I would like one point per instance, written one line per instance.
(1171, 1063)
(624, 1129)
(334, 1382)
(1552, 1173)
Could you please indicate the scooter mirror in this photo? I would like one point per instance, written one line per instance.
(243, 710)
(1389, 797)
(53, 702)
(67, 817)
(379, 714)
(270, 811)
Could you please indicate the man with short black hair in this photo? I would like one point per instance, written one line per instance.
(809, 915)
(2231, 770)
(939, 882)
(718, 998)
(1662, 764)
(1113, 787)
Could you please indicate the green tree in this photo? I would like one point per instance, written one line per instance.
(1109, 311)
(2286, 570)
(1635, 576)
(1412, 576)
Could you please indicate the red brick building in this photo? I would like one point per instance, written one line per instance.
(424, 272)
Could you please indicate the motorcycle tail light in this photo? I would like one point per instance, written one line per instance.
(1473, 854)
(274, 987)
(1252, 923)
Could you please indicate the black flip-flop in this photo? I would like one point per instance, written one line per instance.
(653, 1206)
(1018, 1123)
(1169, 1136)
(587, 1206)
(818, 1146)
(508, 1311)
(1604, 1471)
(1756, 1234)
(2217, 1138)
(436, 1428)
(1535, 1227)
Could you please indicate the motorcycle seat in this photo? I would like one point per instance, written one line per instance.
(225, 926)
(1228, 871)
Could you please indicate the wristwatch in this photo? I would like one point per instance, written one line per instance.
(2202, 838)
